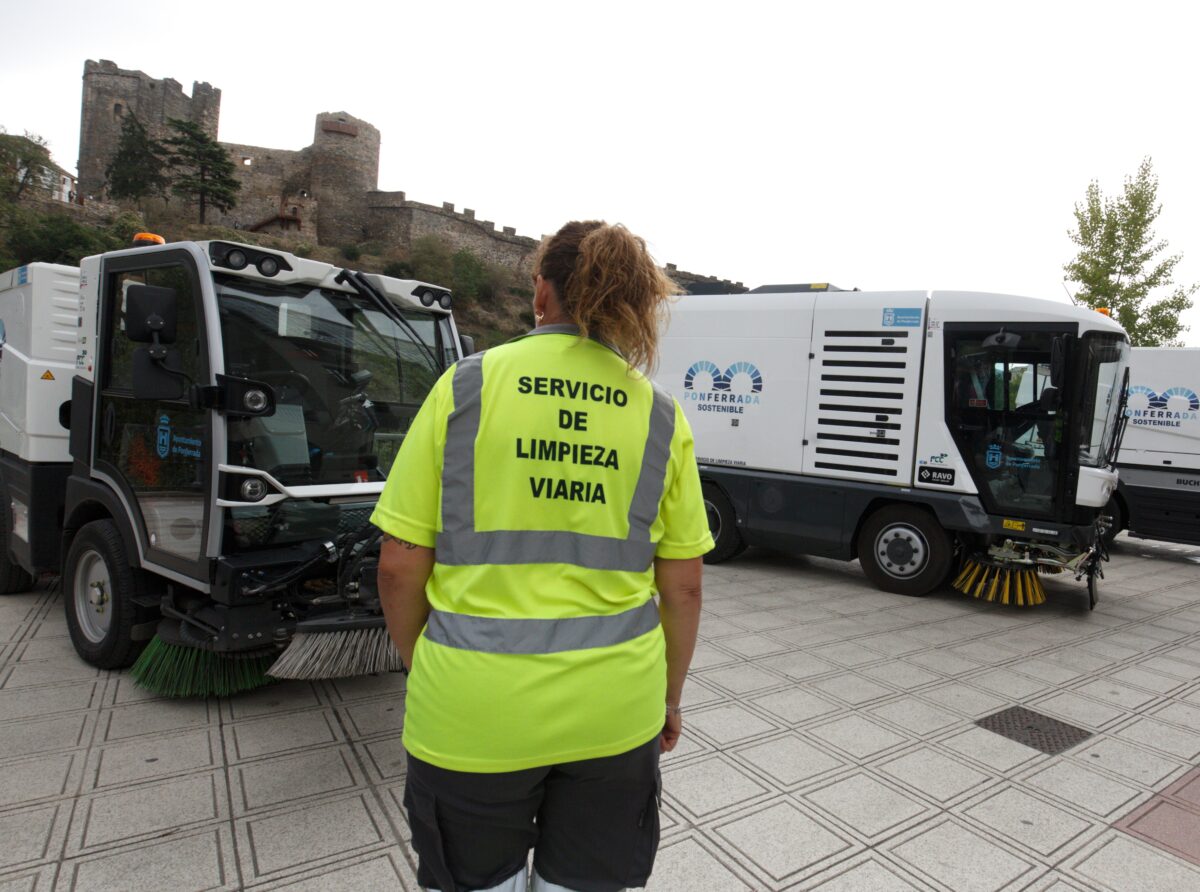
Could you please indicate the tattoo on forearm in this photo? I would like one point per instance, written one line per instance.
(388, 537)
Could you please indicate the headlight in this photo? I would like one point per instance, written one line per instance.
(253, 489)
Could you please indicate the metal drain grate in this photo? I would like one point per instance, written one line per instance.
(1035, 730)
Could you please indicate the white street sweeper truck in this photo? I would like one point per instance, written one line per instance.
(933, 435)
(193, 435)
(1158, 496)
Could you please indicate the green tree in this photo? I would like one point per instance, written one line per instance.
(25, 165)
(1119, 262)
(138, 168)
(201, 170)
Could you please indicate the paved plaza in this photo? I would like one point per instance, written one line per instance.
(830, 743)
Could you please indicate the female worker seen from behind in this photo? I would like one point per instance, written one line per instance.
(545, 492)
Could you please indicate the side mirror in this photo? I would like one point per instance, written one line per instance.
(157, 378)
(1058, 361)
(150, 314)
(467, 343)
(1005, 340)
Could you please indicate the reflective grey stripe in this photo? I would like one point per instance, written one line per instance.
(539, 636)
(643, 508)
(458, 458)
(459, 543)
(543, 547)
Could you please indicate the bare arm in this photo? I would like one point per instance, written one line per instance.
(679, 589)
(404, 569)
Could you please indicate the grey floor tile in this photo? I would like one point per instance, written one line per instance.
(269, 783)
(901, 674)
(367, 718)
(33, 836)
(961, 859)
(991, 750)
(893, 644)
(200, 862)
(1008, 684)
(363, 687)
(30, 779)
(752, 646)
(697, 693)
(22, 737)
(1047, 671)
(30, 879)
(1032, 822)
(1121, 695)
(706, 656)
(1180, 714)
(274, 699)
(276, 734)
(147, 758)
(48, 672)
(1096, 793)
(705, 787)
(1122, 864)
(156, 716)
(851, 688)
(794, 705)
(1127, 761)
(782, 840)
(1076, 710)
(934, 774)
(797, 665)
(866, 805)
(24, 703)
(847, 653)
(728, 724)
(147, 810)
(943, 661)
(742, 678)
(857, 736)
(788, 760)
(686, 866)
(1166, 666)
(1163, 737)
(386, 759)
(916, 715)
(964, 699)
(864, 874)
(301, 838)
(371, 873)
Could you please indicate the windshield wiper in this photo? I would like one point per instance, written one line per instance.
(363, 286)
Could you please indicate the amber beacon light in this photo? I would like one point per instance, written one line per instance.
(141, 239)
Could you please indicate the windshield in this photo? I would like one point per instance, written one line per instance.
(348, 379)
(1106, 357)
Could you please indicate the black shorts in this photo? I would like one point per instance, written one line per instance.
(593, 825)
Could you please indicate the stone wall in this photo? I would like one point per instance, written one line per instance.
(110, 93)
(276, 194)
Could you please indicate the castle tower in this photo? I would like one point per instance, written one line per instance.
(110, 93)
(345, 167)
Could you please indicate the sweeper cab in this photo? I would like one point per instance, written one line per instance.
(194, 436)
(933, 435)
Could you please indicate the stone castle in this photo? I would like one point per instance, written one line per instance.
(326, 193)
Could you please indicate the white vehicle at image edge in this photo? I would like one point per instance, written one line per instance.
(1158, 496)
(194, 436)
(917, 431)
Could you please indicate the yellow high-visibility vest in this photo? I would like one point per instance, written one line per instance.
(547, 476)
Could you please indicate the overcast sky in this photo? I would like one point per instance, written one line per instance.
(873, 144)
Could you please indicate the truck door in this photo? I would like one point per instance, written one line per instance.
(155, 453)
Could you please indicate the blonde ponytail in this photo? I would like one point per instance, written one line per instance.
(609, 285)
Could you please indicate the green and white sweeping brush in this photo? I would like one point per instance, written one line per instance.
(338, 647)
(172, 665)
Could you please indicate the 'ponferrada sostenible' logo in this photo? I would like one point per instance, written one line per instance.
(1170, 408)
(728, 391)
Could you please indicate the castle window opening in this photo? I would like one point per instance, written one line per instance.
(247, 160)
(118, 109)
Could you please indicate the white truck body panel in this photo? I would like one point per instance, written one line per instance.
(1163, 413)
(39, 315)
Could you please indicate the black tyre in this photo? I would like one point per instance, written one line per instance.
(904, 550)
(1113, 510)
(13, 577)
(722, 523)
(99, 591)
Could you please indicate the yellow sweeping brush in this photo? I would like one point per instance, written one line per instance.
(998, 583)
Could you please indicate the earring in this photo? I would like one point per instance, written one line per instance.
(538, 316)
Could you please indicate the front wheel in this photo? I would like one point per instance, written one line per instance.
(904, 550)
(722, 523)
(99, 590)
